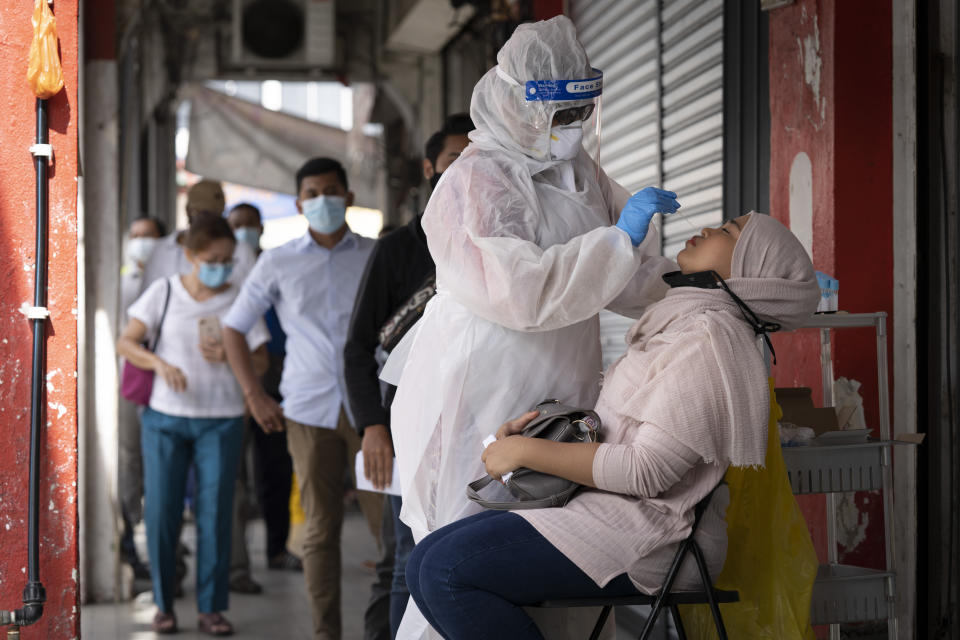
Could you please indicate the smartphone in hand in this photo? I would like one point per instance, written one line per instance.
(209, 327)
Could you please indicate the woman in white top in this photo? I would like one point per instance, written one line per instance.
(195, 415)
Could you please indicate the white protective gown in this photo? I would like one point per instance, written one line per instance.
(524, 265)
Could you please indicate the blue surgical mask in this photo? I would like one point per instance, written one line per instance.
(250, 235)
(214, 274)
(325, 214)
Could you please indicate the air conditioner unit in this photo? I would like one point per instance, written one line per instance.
(282, 35)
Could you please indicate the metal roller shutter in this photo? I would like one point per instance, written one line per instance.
(662, 110)
(620, 37)
(692, 80)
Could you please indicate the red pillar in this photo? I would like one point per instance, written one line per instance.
(546, 9)
(58, 495)
(830, 97)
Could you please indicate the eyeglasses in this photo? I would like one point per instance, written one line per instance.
(573, 114)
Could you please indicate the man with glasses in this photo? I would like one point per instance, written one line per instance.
(398, 280)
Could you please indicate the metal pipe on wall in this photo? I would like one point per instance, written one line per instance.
(34, 595)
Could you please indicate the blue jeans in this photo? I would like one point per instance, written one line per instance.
(399, 595)
(170, 444)
(471, 578)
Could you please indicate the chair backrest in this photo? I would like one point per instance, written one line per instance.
(690, 545)
(701, 507)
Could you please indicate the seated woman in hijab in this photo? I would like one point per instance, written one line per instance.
(687, 400)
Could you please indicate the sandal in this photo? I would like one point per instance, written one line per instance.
(164, 623)
(285, 561)
(245, 584)
(214, 624)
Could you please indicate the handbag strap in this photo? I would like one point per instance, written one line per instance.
(163, 315)
(555, 500)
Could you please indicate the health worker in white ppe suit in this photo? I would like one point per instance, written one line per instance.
(531, 241)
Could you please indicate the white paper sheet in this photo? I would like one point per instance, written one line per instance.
(365, 485)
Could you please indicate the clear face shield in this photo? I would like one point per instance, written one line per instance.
(564, 115)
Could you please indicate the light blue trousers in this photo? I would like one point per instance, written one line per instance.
(170, 444)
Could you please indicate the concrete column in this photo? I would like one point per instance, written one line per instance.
(130, 126)
(99, 263)
(430, 99)
(905, 305)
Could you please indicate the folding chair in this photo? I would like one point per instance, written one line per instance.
(665, 598)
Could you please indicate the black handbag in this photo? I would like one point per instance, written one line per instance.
(533, 489)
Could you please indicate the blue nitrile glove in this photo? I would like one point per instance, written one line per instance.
(636, 215)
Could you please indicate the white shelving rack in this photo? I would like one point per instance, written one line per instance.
(845, 593)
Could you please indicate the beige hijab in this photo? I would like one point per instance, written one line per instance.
(693, 367)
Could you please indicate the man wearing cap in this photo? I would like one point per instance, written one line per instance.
(204, 199)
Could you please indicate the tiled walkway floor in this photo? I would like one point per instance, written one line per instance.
(279, 612)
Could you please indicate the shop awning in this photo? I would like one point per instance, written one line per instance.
(241, 142)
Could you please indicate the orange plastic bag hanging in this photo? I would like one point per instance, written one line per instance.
(43, 71)
(770, 557)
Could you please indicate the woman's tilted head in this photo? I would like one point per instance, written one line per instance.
(762, 262)
(713, 248)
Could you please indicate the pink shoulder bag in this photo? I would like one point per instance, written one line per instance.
(136, 384)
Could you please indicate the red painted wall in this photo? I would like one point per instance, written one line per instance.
(864, 226)
(58, 495)
(847, 133)
(545, 9)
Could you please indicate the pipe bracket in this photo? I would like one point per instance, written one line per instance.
(34, 313)
(42, 150)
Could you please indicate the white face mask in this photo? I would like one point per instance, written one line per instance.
(565, 141)
(139, 250)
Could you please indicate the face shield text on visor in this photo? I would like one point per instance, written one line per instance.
(558, 107)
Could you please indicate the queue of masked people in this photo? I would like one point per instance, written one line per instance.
(428, 351)
(246, 347)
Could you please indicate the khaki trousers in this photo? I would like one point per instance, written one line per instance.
(320, 459)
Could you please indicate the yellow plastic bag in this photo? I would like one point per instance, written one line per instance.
(297, 520)
(296, 509)
(43, 71)
(770, 556)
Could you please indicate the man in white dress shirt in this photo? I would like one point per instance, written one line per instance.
(312, 282)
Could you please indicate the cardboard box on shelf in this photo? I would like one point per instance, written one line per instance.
(798, 409)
